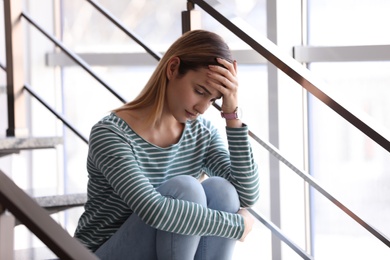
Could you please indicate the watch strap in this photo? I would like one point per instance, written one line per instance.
(230, 116)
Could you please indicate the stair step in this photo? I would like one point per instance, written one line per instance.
(10, 145)
(52, 204)
(56, 203)
(61, 202)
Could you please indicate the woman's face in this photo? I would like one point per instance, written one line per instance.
(189, 95)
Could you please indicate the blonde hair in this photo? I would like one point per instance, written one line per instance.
(195, 49)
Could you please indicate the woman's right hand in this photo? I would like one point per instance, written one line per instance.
(249, 220)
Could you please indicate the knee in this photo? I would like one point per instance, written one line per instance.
(185, 188)
(221, 194)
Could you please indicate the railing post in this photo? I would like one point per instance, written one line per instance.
(15, 68)
(7, 223)
(190, 19)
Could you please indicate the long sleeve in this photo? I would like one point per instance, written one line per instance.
(124, 171)
(236, 165)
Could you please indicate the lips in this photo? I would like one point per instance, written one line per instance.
(191, 115)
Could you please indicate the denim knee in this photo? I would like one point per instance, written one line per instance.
(221, 194)
(184, 187)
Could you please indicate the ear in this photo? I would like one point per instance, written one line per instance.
(173, 67)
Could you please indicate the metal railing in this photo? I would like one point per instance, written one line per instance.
(54, 112)
(298, 73)
(123, 28)
(303, 77)
(72, 55)
(286, 64)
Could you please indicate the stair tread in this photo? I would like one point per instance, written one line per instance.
(9, 145)
(62, 200)
(57, 203)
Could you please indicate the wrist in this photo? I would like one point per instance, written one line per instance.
(234, 123)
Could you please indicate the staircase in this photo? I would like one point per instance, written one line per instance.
(43, 205)
(37, 219)
(13, 144)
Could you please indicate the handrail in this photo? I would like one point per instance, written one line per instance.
(73, 56)
(36, 219)
(2, 67)
(299, 73)
(132, 35)
(61, 118)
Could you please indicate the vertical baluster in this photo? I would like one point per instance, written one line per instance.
(15, 68)
(190, 19)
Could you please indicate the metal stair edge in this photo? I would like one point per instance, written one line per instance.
(57, 203)
(11, 145)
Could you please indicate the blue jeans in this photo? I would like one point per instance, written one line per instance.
(137, 241)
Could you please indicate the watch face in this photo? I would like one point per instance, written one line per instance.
(239, 113)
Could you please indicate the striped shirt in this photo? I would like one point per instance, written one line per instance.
(124, 171)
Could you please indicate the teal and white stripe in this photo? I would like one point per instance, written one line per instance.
(124, 171)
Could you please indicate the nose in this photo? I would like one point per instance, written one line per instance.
(201, 107)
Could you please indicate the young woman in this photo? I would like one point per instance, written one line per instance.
(145, 199)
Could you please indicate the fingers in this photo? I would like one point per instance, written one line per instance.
(228, 70)
(223, 77)
(248, 222)
(231, 67)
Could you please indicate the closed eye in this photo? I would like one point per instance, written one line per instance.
(199, 92)
(202, 91)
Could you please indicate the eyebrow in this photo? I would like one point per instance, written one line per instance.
(208, 92)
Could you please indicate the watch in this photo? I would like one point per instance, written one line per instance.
(230, 116)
